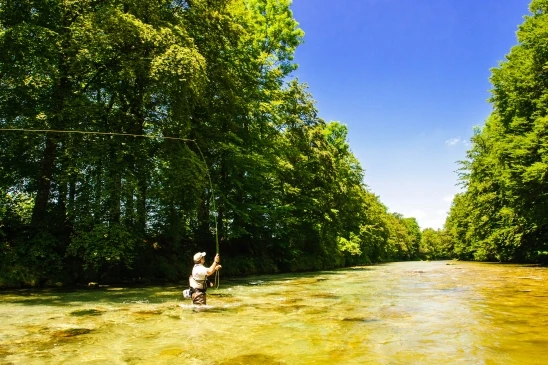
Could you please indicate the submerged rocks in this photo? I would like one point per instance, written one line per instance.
(86, 312)
(71, 332)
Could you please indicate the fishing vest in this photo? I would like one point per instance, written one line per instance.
(196, 282)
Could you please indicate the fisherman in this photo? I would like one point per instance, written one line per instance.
(198, 279)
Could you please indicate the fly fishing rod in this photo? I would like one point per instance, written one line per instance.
(217, 281)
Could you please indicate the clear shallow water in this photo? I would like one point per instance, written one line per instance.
(400, 313)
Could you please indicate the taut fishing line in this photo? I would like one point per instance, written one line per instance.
(217, 275)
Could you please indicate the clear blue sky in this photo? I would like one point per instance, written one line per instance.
(410, 79)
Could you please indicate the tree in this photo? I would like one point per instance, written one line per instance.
(501, 215)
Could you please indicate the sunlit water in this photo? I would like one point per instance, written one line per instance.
(443, 312)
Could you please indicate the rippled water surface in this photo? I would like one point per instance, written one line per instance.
(446, 312)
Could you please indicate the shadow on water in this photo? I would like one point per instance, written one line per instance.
(159, 294)
(120, 295)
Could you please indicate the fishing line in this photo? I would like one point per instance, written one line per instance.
(217, 281)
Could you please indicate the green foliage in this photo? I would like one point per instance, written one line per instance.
(25, 258)
(415, 236)
(15, 210)
(104, 247)
(29, 259)
(350, 246)
(434, 245)
(501, 216)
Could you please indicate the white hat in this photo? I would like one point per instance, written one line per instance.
(198, 256)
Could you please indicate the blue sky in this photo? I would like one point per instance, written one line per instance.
(410, 79)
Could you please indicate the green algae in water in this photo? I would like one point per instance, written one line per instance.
(86, 312)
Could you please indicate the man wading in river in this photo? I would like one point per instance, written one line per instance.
(198, 279)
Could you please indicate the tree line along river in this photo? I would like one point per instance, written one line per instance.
(448, 312)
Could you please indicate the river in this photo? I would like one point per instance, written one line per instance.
(442, 312)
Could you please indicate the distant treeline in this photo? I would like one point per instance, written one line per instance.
(243, 156)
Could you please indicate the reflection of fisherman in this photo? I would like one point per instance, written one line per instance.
(198, 279)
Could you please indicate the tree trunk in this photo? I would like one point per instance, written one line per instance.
(44, 182)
